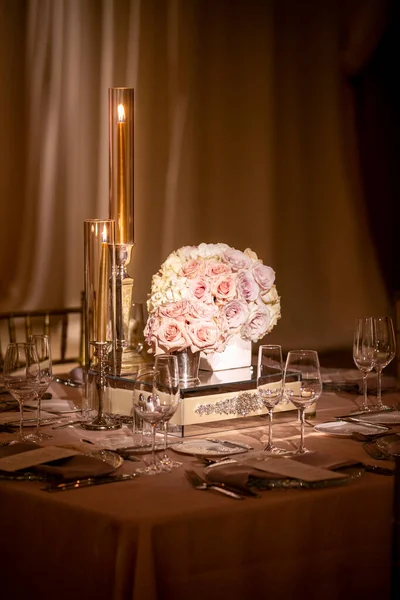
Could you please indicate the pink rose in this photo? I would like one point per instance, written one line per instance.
(204, 335)
(224, 288)
(204, 312)
(247, 287)
(215, 269)
(264, 276)
(236, 259)
(171, 335)
(193, 268)
(175, 310)
(256, 326)
(200, 289)
(236, 313)
(151, 327)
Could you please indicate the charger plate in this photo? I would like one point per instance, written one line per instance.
(205, 448)
(346, 428)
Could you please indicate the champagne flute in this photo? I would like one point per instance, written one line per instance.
(385, 351)
(156, 406)
(168, 363)
(42, 345)
(308, 387)
(270, 385)
(364, 353)
(21, 374)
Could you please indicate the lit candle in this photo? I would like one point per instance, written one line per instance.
(122, 220)
(103, 291)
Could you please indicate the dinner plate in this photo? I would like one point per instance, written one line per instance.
(389, 445)
(111, 458)
(206, 448)
(346, 428)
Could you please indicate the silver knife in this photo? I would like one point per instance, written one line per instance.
(230, 444)
(89, 481)
(364, 422)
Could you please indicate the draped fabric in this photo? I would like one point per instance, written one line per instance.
(242, 135)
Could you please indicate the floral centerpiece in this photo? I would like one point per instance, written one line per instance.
(204, 295)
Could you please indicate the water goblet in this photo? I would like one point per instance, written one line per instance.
(156, 403)
(167, 362)
(21, 374)
(305, 364)
(42, 344)
(385, 351)
(270, 385)
(364, 353)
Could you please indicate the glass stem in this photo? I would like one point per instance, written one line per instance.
(39, 403)
(301, 417)
(165, 438)
(270, 428)
(379, 388)
(21, 420)
(153, 444)
(365, 392)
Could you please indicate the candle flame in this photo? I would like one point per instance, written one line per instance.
(121, 113)
(104, 234)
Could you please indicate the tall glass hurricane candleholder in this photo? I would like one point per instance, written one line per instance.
(99, 317)
(121, 109)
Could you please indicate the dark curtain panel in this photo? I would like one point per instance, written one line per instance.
(377, 101)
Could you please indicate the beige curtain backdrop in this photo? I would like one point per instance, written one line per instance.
(241, 136)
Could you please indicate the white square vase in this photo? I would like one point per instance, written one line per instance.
(237, 354)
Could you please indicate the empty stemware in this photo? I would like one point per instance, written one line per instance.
(42, 344)
(364, 353)
(169, 362)
(270, 385)
(385, 351)
(21, 374)
(308, 387)
(156, 404)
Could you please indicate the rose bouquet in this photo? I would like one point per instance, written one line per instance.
(203, 295)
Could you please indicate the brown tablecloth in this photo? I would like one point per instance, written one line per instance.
(157, 538)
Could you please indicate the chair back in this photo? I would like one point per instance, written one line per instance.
(64, 326)
(395, 587)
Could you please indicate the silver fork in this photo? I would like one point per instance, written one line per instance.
(200, 484)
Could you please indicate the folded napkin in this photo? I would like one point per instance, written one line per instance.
(74, 467)
(238, 476)
(65, 469)
(312, 469)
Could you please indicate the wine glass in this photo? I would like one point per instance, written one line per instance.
(385, 351)
(21, 374)
(270, 385)
(42, 344)
(167, 362)
(308, 387)
(143, 385)
(156, 404)
(364, 352)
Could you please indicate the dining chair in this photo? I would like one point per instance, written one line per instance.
(395, 587)
(64, 326)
